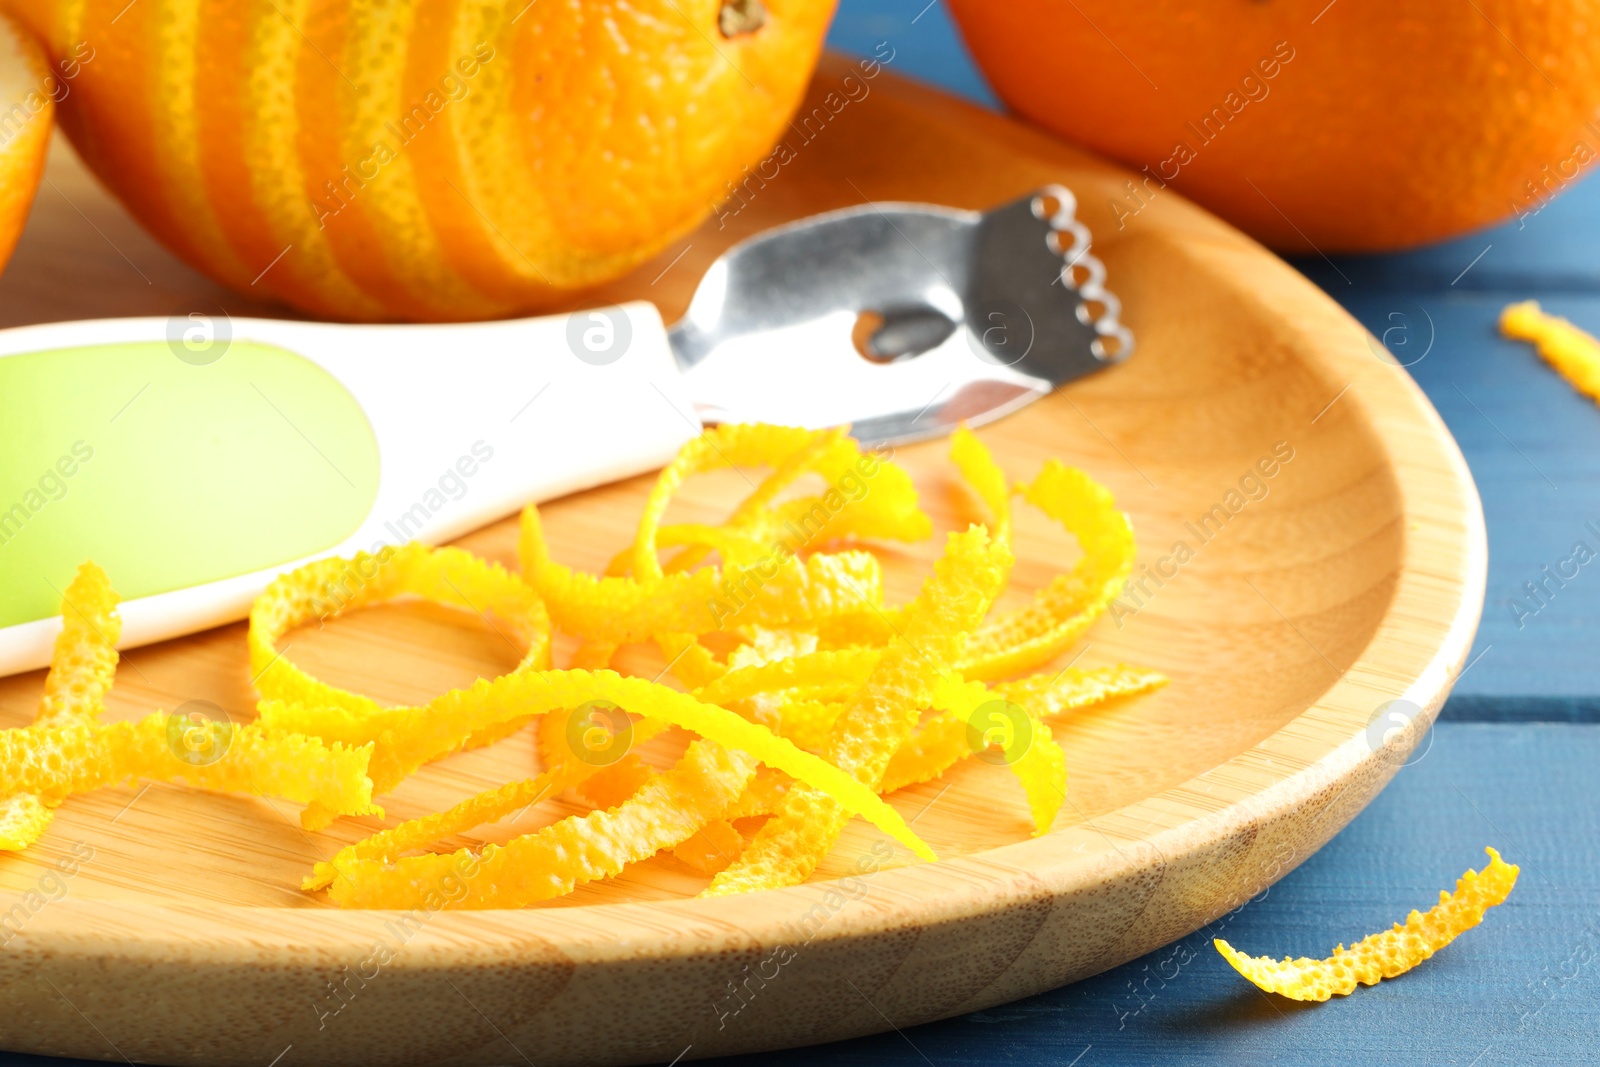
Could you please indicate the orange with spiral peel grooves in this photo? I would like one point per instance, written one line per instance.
(425, 159)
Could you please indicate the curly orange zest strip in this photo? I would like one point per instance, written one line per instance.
(668, 810)
(1382, 955)
(1064, 609)
(328, 588)
(976, 464)
(1573, 352)
(1049, 695)
(882, 714)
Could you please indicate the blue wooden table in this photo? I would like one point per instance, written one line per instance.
(1513, 762)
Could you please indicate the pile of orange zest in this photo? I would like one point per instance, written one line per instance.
(83, 664)
(54, 762)
(881, 715)
(668, 810)
(1574, 353)
(1387, 954)
(867, 497)
(820, 700)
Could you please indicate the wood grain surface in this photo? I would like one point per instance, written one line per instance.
(1354, 579)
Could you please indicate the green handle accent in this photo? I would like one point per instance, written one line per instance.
(171, 472)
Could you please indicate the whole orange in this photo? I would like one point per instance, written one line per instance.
(425, 159)
(1349, 125)
(28, 91)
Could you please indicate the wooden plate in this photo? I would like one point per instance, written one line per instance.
(1307, 600)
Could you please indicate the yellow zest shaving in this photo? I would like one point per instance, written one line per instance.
(1571, 351)
(84, 660)
(53, 762)
(1064, 609)
(1387, 954)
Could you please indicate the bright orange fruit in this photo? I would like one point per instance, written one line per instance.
(426, 159)
(28, 88)
(1355, 125)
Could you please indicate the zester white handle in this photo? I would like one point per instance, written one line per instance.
(472, 421)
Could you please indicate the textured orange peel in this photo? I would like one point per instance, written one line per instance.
(1388, 953)
(1574, 353)
(83, 664)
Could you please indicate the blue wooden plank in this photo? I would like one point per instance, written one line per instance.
(1533, 444)
(1523, 988)
(1550, 250)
